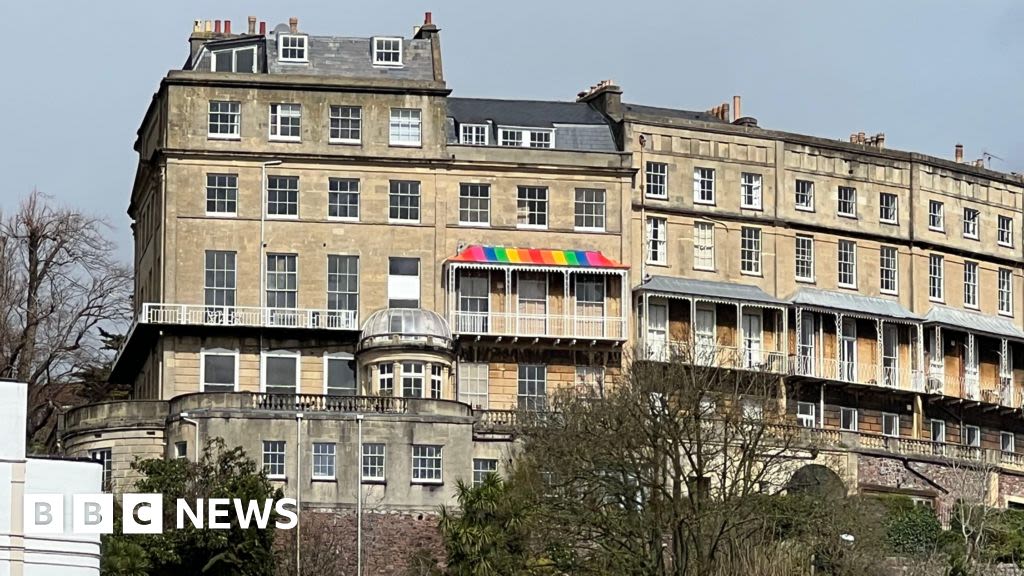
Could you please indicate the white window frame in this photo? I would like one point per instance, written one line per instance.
(751, 266)
(483, 204)
(469, 134)
(848, 247)
(807, 260)
(524, 137)
(379, 50)
(704, 186)
(971, 272)
(405, 127)
(480, 471)
(703, 245)
(941, 424)
(284, 459)
(265, 354)
(750, 185)
(234, 59)
(204, 353)
(217, 182)
(343, 356)
(399, 189)
(590, 381)
(382, 466)
(1005, 234)
(329, 452)
(851, 201)
(807, 414)
(887, 419)
(334, 192)
(597, 209)
(284, 274)
(525, 204)
(972, 223)
(884, 270)
(383, 376)
(807, 191)
(656, 179)
(234, 112)
(275, 125)
(181, 450)
(469, 373)
(532, 386)
(1012, 447)
(279, 190)
(936, 277)
(436, 389)
(936, 216)
(843, 410)
(657, 241)
(1005, 291)
(302, 44)
(426, 475)
(894, 216)
(965, 436)
(413, 375)
(355, 118)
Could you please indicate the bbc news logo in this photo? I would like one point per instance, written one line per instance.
(144, 513)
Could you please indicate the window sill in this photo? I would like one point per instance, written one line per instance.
(405, 144)
(754, 274)
(804, 208)
(889, 292)
(345, 142)
(475, 224)
(293, 60)
(806, 280)
(427, 482)
(388, 65)
(342, 219)
(586, 229)
(397, 221)
(966, 237)
(655, 197)
(704, 202)
(939, 230)
(936, 300)
(890, 222)
(374, 481)
(222, 215)
(704, 269)
(235, 137)
(277, 477)
(847, 286)
(531, 227)
(1006, 314)
(971, 306)
(289, 139)
(323, 479)
(1004, 244)
(650, 263)
(847, 216)
(282, 216)
(755, 208)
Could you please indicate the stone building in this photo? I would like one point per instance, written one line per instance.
(427, 265)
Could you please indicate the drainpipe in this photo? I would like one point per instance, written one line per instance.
(359, 495)
(298, 493)
(184, 418)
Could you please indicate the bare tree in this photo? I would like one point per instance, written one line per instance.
(666, 474)
(59, 285)
(973, 515)
(327, 548)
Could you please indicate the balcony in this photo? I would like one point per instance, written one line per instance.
(539, 325)
(755, 359)
(248, 316)
(855, 372)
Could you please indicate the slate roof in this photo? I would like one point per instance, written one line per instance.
(577, 125)
(670, 113)
(710, 289)
(973, 321)
(842, 301)
(338, 56)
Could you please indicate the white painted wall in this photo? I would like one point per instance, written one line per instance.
(52, 555)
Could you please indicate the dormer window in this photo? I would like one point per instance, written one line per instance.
(234, 60)
(292, 48)
(387, 51)
(473, 134)
(527, 137)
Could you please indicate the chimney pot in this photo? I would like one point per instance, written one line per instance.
(216, 26)
(227, 26)
(959, 153)
(197, 26)
(263, 28)
(880, 139)
(252, 24)
(736, 108)
(428, 18)
(208, 26)
(293, 25)
(861, 138)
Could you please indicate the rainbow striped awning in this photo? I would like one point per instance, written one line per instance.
(535, 257)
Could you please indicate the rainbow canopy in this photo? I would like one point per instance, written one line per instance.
(535, 257)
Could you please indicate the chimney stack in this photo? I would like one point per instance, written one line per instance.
(736, 108)
(263, 28)
(428, 30)
(605, 97)
(252, 25)
(293, 25)
(959, 153)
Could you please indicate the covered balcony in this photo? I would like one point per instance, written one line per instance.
(856, 340)
(510, 293)
(712, 323)
(971, 356)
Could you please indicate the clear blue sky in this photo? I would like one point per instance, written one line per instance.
(929, 73)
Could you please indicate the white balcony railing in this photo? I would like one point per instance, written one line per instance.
(970, 385)
(198, 315)
(760, 359)
(1006, 392)
(846, 371)
(539, 325)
